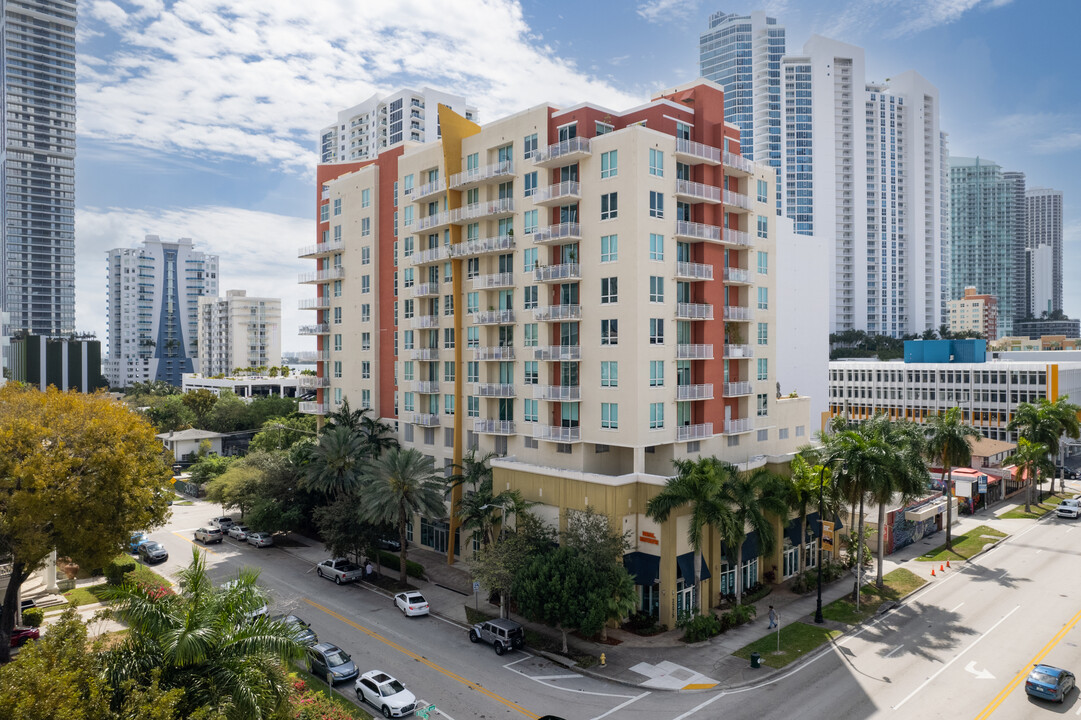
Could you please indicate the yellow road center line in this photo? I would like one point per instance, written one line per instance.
(424, 660)
(189, 540)
(1004, 693)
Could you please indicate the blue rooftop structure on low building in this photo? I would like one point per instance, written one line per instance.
(945, 351)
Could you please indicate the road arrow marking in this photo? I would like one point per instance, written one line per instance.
(980, 674)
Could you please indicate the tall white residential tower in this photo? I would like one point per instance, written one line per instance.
(238, 331)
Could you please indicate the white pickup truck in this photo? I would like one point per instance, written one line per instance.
(340, 570)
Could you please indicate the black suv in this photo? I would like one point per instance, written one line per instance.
(502, 634)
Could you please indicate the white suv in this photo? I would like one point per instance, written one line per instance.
(1069, 508)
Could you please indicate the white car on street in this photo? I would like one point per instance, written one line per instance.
(411, 603)
(1070, 508)
(385, 694)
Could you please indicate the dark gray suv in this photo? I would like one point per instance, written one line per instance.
(503, 635)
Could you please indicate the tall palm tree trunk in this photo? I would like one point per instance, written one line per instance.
(1028, 490)
(947, 492)
(739, 573)
(859, 557)
(803, 536)
(881, 542)
(698, 578)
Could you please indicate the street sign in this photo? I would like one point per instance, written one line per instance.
(983, 484)
(827, 536)
(476, 586)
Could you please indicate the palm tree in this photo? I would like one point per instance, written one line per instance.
(947, 443)
(336, 463)
(346, 417)
(905, 474)
(801, 490)
(204, 642)
(480, 509)
(698, 486)
(1030, 458)
(378, 436)
(749, 497)
(1046, 423)
(398, 485)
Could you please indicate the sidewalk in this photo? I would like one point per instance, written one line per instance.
(664, 662)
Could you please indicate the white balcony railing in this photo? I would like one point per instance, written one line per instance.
(694, 392)
(425, 420)
(558, 393)
(425, 354)
(736, 199)
(736, 237)
(476, 175)
(555, 233)
(316, 329)
(312, 382)
(737, 313)
(694, 271)
(687, 433)
(694, 352)
(697, 231)
(738, 162)
(556, 273)
(476, 211)
(698, 191)
(427, 289)
(567, 149)
(556, 313)
(493, 390)
(567, 190)
(554, 433)
(426, 190)
(480, 246)
(735, 389)
(431, 255)
(737, 275)
(493, 353)
(493, 280)
(425, 321)
(735, 427)
(561, 353)
(315, 303)
(428, 387)
(319, 249)
(694, 311)
(485, 426)
(697, 151)
(494, 317)
(737, 352)
(334, 273)
(312, 408)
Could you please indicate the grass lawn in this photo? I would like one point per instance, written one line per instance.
(87, 595)
(316, 684)
(797, 640)
(898, 583)
(1037, 509)
(964, 546)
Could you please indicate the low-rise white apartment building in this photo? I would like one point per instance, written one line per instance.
(238, 331)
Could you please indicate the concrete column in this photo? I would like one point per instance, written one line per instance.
(668, 573)
(640, 459)
(50, 573)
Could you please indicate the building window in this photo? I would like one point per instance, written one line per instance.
(365, 255)
(610, 415)
(337, 288)
(472, 405)
(338, 342)
(609, 206)
(763, 263)
(448, 304)
(609, 290)
(365, 341)
(448, 338)
(609, 248)
(763, 334)
(407, 370)
(656, 373)
(763, 227)
(763, 435)
(530, 297)
(529, 220)
(530, 331)
(365, 227)
(609, 373)
(609, 164)
(763, 398)
(337, 206)
(532, 372)
(472, 371)
(603, 128)
(763, 368)
(530, 411)
(324, 212)
(448, 372)
(782, 433)
(472, 302)
(656, 289)
(530, 184)
(656, 204)
(529, 146)
(529, 258)
(656, 162)
(656, 246)
(365, 283)
(656, 415)
(656, 331)
(337, 316)
(763, 191)
(337, 368)
(365, 198)
(448, 404)
(609, 332)
(763, 298)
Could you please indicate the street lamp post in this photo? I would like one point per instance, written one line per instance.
(821, 512)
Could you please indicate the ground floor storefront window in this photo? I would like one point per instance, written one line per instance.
(649, 600)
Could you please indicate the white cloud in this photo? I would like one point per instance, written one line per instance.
(259, 78)
(257, 250)
(660, 11)
(923, 15)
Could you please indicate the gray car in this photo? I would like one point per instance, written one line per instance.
(209, 535)
(502, 635)
(153, 552)
(260, 539)
(324, 658)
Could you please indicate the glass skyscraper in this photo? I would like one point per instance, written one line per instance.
(37, 251)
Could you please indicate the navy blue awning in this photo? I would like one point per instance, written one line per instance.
(643, 567)
(685, 562)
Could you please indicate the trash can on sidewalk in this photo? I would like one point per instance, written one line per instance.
(756, 660)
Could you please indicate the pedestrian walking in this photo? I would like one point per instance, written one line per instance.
(772, 618)
(368, 569)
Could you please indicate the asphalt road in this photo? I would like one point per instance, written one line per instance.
(959, 648)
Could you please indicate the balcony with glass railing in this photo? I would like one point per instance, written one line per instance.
(555, 433)
(557, 233)
(472, 177)
(694, 311)
(334, 273)
(694, 352)
(493, 353)
(312, 382)
(693, 271)
(425, 420)
(425, 354)
(427, 387)
(315, 303)
(686, 393)
(558, 393)
(557, 313)
(737, 389)
(493, 281)
(561, 193)
(425, 321)
(481, 246)
(696, 192)
(690, 152)
(493, 390)
(738, 352)
(737, 165)
(735, 201)
(433, 221)
(697, 232)
(737, 427)
(494, 317)
(312, 408)
(427, 289)
(503, 207)
(563, 153)
(315, 329)
(431, 255)
(737, 276)
(558, 353)
(427, 191)
(689, 433)
(557, 273)
(319, 249)
(736, 238)
(486, 426)
(737, 313)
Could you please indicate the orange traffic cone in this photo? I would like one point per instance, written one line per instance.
(932, 571)
(940, 568)
(947, 563)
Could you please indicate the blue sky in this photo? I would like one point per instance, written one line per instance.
(198, 118)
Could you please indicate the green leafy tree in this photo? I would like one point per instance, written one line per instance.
(347, 417)
(1031, 458)
(947, 443)
(697, 486)
(169, 414)
(281, 433)
(906, 475)
(270, 407)
(378, 436)
(201, 402)
(78, 473)
(337, 463)
(564, 590)
(203, 642)
(283, 502)
(801, 491)
(481, 510)
(398, 485)
(592, 535)
(343, 531)
(497, 565)
(229, 414)
(208, 467)
(239, 487)
(1045, 423)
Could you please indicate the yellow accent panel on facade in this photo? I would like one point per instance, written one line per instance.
(1052, 382)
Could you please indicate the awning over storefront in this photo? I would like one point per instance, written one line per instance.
(643, 567)
(685, 562)
(792, 532)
